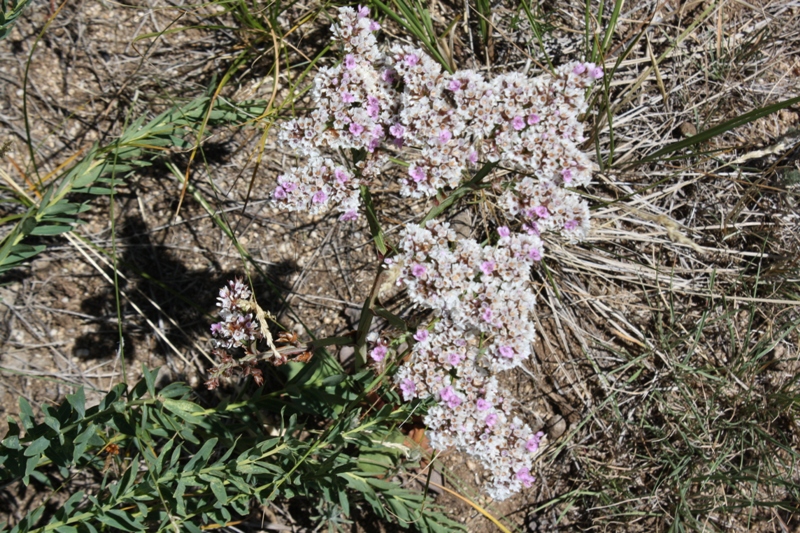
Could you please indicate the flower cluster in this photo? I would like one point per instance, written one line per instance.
(477, 288)
(399, 104)
(237, 329)
(483, 302)
(379, 103)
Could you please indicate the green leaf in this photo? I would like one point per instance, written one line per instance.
(37, 447)
(120, 520)
(390, 317)
(30, 468)
(26, 413)
(50, 230)
(201, 457)
(128, 479)
(189, 411)
(180, 503)
(344, 501)
(174, 390)
(71, 503)
(78, 402)
(359, 483)
(81, 442)
(259, 468)
(399, 509)
(52, 422)
(469, 186)
(718, 130)
(12, 442)
(218, 489)
(372, 218)
(150, 379)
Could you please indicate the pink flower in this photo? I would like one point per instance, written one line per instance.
(566, 175)
(491, 419)
(378, 353)
(533, 118)
(279, 193)
(482, 404)
(448, 394)
(371, 100)
(518, 122)
(503, 231)
(421, 335)
(533, 443)
(579, 69)
(319, 197)
(216, 328)
(350, 61)
(596, 73)
(356, 128)
(377, 132)
(289, 186)
(341, 175)
(411, 59)
(418, 270)
(473, 157)
(454, 85)
(388, 75)
(541, 211)
(397, 131)
(363, 11)
(535, 254)
(570, 224)
(532, 228)
(487, 315)
(454, 359)
(524, 475)
(445, 136)
(374, 26)
(408, 388)
(417, 174)
(487, 267)
(347, 98)
(507, 352)
(348, 216)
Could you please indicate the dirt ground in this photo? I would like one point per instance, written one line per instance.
(664, 236)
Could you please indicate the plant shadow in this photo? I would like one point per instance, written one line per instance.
(162, 300)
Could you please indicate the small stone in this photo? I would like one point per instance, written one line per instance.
(687, 129)
(556, 426)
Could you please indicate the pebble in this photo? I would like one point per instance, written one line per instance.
(687, 129)
(556, 426)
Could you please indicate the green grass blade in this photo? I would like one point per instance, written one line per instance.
(374, 224)
(718, 130)
(471, 185)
